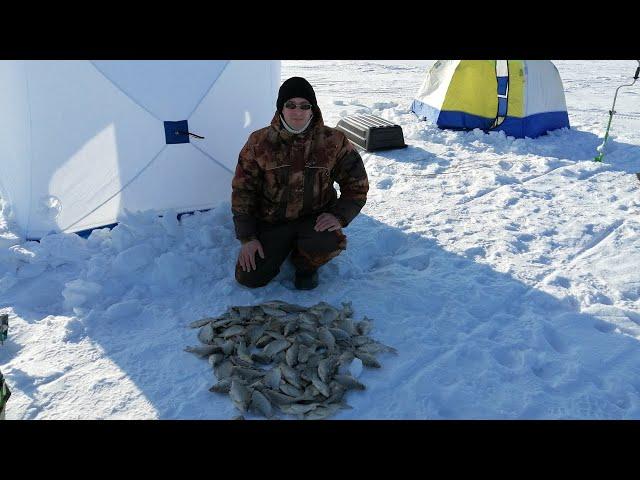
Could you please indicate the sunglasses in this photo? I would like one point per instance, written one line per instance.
(302, 106)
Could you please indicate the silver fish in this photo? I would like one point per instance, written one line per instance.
(240, 395)
(339, 334)
(329, 316)
(273, 378)
(292, 308)
(238, 362)
(321, 306)
(232, 331)
(257, 384)
(274, 325)
(363, 327)
(202, 322)
(273, 312)
(346, 357)
(347, 309)
(291, 357)
(376, 347)
(347, 325)
(278, 398)
(242, 352)
(322, 387)
(222, 322)
(223, 386)
(290, 390)
(261, 358)
(306, 339)
(206, 334)
(280, 357)
(245, 312)
(326, 368)
(308, 318)
(303, 353)
(290, 327)
(275, 335)
(322, 412)
(349, 382)
(223, 370)
(264, 340)
(298, 408)
(249, 373)
(254, 333)
(367, 360)
(305, 375)
(275, 347)
(360, 340)
(203, 351)
(327, 337)
(273, 303)
(312, 393)
(337, 392)
(307, 328)
(290, 375)
(314, 360)
(260, 403)
(215, 359)
(228, 346)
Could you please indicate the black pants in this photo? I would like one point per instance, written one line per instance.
(309, 249)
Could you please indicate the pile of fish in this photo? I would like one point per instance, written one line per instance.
(5, 393)
(282, 357)
(4, 327)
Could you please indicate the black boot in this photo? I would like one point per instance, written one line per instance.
(306, 280)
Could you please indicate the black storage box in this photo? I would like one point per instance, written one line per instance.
(371, 132)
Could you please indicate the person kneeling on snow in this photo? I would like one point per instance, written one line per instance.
(283, 199)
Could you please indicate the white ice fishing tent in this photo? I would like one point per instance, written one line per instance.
(81, 141)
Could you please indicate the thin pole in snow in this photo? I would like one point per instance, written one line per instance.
(600, 149)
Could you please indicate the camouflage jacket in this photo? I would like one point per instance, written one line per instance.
(281, 176)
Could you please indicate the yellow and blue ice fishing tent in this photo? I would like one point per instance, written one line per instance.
(523, 98)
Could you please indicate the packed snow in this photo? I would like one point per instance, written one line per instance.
(504, 271)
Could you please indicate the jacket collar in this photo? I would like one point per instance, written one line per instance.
(279, 133)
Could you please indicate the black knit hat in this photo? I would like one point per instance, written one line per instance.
(295, 87)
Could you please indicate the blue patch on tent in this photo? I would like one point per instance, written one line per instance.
(87, 233)
(534, 125)
(502, 106)
(176, 132)
(502, 85)
(456, 120)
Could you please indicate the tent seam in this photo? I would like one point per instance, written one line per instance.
(209, 89)
(26, 231)
(119, 191)
(214, 160)
(125, 93)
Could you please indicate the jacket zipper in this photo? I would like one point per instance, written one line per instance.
(326, 169)
(273, 168)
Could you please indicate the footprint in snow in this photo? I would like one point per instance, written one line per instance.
(385, 184)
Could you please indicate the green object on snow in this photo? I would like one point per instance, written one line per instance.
(4, 327)
(598, 158)
(5, 393)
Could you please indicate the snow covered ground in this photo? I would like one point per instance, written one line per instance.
(505, 272)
